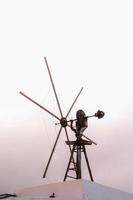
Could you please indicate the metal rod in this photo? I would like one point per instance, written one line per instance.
(88, 165)
(74, 102)
(39, 105)
(71, 177)
(78, 162)
(75, 119)
(67, 138)
(84, 117)
(69, 146)
(53, 87)
(52, 153)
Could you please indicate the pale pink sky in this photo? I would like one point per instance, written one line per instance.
(87, 43)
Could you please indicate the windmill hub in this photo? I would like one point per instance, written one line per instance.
(63, 122)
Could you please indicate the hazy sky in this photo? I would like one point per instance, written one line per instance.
(87, 43)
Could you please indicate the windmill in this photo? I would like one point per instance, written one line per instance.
(77, 146)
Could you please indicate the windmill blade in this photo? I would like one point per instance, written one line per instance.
(67, 137)
(53, 86)
(69, 146)
(74, 102)
(44, 175)
(71, 108)
(39, 105)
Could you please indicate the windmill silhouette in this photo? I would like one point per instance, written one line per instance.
(77, 146)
